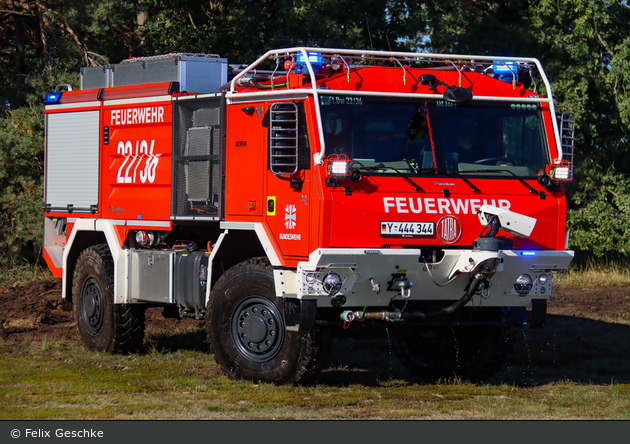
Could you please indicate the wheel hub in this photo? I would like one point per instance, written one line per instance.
(93, 306)
(257, 329)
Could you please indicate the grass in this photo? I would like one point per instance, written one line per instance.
(549, 377)
(24, 274)
(60, 380)
(592, 274)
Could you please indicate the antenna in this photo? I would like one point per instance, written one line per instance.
(369, 32)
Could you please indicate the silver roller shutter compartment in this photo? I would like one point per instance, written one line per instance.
(72, 161)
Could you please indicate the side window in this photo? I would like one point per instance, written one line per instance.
(304, 146)
(283, 138)
(289, 147)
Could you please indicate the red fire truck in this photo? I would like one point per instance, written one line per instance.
(314, 193)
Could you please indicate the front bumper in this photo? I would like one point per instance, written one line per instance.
(373, 277)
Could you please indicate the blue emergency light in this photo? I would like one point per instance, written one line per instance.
(317, 62)
(53, 97)
(506, 71)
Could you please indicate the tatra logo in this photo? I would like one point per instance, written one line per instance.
(449, 229)
(290, 217)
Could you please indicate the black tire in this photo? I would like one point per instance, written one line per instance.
(246, 329)
(316, 348)
(471, 353)
(103, 325)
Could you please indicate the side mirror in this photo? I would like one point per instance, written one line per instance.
(457, 94)
(453, 94)
(428, 79)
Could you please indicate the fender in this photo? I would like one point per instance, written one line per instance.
(108, 229)
(263, 236)
(223, 257)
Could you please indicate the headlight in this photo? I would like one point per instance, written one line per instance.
(543, 278)
(338, 165)
(523, 284)
(332, 284)
(339, 168)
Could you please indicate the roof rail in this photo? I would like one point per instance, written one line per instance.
(350, 58)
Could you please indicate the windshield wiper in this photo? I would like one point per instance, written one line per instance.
(380, 166)
(420, 171)
(456, 174)
(416, 187)
(468, 182)
(531, 189)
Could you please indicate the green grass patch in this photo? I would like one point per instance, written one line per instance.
(24, 274)
(603, 274)
(62, 380)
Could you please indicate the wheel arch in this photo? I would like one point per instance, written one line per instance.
(232, 248)
(87, 233)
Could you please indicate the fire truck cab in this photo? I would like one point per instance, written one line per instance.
(314, 192)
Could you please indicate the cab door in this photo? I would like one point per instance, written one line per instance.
(289, 177)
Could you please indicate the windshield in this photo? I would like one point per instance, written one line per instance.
(434, 135)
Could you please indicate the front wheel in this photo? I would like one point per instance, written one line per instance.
(103, 325)
(473, 353)
(246, 328)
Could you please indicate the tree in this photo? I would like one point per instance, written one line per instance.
(21, 171)
(584, 46)
(244, 30)
(600, 221)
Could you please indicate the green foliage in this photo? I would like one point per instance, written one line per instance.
(21, 174)
(584, 46)
(243, 31)
(600, 219)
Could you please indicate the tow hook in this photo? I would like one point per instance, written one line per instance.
(404, 287)
(485, 289)
(401, 284)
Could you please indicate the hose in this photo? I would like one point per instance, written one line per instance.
(472, 289)
(398, 315)
(270, 86)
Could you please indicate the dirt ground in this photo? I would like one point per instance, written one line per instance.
(586, 336)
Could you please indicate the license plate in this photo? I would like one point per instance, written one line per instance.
(407, 229)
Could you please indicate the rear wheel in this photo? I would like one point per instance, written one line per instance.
(246, 328)
(103, 325)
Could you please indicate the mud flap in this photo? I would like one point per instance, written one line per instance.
(538, 314)
(517, 315)
(299, 315)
